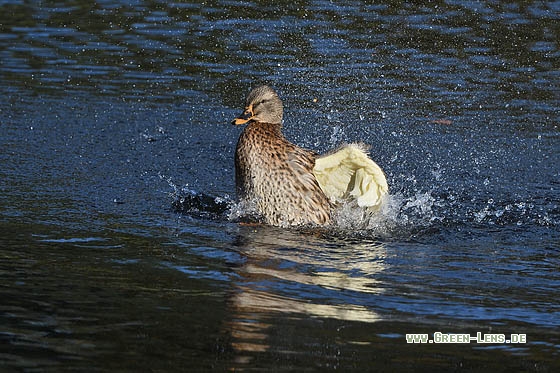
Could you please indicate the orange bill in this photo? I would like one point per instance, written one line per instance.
(245, 117)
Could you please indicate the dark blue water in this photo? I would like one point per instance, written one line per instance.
(120, 242)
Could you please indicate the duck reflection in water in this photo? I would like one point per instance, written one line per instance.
(282, 279)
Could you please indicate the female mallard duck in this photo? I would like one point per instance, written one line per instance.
(292, 186)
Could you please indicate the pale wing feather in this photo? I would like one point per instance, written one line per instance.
(350, 172)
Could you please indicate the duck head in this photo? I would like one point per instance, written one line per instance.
(263, 105)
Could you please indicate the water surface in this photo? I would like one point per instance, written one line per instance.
(120, 242)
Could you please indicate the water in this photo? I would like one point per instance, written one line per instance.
(120, 245)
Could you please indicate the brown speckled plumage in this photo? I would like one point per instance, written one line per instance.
(274, 174)
(278, 177)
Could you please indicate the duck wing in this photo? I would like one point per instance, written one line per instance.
(349, 171)
(302, 188)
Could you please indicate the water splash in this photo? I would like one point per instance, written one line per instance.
(516, 213)
(191, 202)
(404, 213)
(244, 210)
(398, 215)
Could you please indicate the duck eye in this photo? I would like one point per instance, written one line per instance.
(262, 102)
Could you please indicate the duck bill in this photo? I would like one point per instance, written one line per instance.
(245, 117)
(241, 120)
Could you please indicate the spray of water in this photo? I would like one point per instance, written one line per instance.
(398, 215)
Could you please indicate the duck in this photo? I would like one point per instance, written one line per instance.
(287, 185)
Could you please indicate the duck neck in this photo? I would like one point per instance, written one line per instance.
(265, 130)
